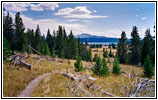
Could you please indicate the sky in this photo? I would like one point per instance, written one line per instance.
(101, 19)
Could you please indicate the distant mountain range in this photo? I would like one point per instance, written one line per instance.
(94, 38)
(85, 35)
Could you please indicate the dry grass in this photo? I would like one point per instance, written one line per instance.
(112, 83)
(15, 80)
(53, 86)
(99, 51)
(57, 85)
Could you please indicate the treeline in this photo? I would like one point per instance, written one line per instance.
(58, 44)
(137, 50)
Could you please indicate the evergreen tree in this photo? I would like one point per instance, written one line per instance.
(62, 54)
(104, 69)
(46, 48)
(53, 52)
(147, 48)
(49, 40)
(89, 55)
(135, 46)
(97, 68)
(110, 54)
(37, 39)
(105, 53)
(65, 44)
(122, 48)
(113, 46)
(85, 50)
(95, 57)
(148, 70)
(79, 47)
(73, 46)
(103, 49)
(19, 30)
(6, 49)
(59, 41)
(30, 37)
(116, 68)
(8, 30)
(78, 65)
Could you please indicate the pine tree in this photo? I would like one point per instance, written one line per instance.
(8, 30)
(104, 69)
(110, 54)
(85, 50)
(59, 41)
(135, 46)
(105, 53)
(73, 46)
(148, 70)
(79, 47)
(30, 36)
(78, 65)
(122, 48)
(46, 48)
(19, 30)
(95, 57)
(65, 44)
(116, 68)
(49, 40)
(89, 55)
(37, 39)
(53, 52)
(97, 67)
(6, 49)
(62, 54)
(147, 48)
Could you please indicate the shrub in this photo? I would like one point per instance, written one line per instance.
(6, 49)
(116, 68)
(148, 69)
(78, 65)
(100, 67)
(69, 62)
(105, 54)
(97, 67)
(110, 54)
(95, 57)
(104, 69)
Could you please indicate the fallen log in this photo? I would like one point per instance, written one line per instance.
(35, 50)
(107, 93)
(123, 72)
(84, 91)
(29, 66)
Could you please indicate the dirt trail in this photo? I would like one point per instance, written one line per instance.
(27, 92)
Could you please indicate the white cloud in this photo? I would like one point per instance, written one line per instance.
(143, 18)
(137, 9)
(73, 20)
(44, 6)
(136, 15)
(77, 12)
(52, 24)
(15, 6)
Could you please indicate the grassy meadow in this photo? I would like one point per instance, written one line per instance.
(56, 85)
